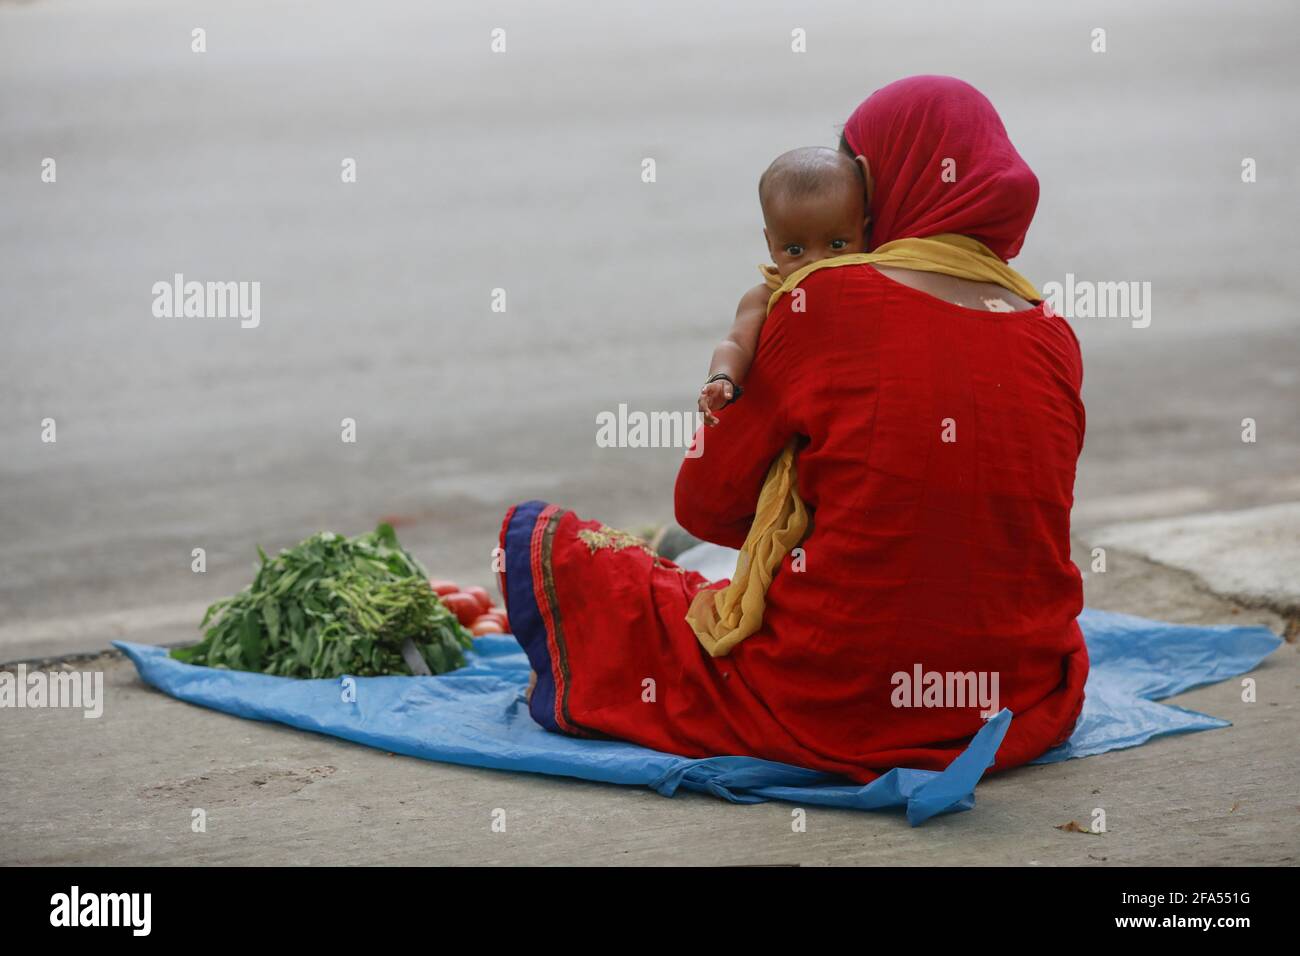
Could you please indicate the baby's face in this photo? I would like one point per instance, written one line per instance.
(814, 227)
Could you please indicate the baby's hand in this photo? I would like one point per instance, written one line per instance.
(714, 396)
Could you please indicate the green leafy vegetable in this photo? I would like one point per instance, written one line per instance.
(332, 606)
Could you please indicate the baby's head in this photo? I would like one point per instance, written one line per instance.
(814, 207)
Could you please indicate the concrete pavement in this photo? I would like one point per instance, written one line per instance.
(1251, 555)
(122, 789)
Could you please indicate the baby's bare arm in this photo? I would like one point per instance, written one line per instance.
(735, 353)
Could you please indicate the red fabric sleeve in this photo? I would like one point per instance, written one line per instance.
(717, 492)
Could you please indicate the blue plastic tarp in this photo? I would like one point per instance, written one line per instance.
(477, 716)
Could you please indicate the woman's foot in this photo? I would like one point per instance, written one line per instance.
(671, 540)
(532, 682)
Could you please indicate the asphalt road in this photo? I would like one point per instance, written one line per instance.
(522, 171)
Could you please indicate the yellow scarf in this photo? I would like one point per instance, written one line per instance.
(722, 618)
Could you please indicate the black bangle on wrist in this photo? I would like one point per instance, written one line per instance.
(736, 390)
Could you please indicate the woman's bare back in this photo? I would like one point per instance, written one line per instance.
(985, 296)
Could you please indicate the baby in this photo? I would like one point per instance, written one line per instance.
(813, 208)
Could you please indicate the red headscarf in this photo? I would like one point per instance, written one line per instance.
(907, 130)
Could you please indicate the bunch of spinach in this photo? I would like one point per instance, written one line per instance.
(331, 606)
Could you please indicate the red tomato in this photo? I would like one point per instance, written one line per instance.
(441, 587)
(463, 605)
(480, 594)
(486, 625)
(499, 616)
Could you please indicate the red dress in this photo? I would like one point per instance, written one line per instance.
(939, 468)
